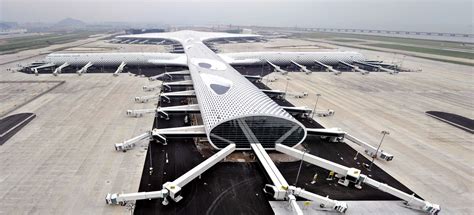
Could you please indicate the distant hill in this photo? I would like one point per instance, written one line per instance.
(8, 25)
(70, 23)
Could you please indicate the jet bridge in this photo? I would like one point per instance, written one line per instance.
(129, 144)
(120, 68)
(151, 87)
(164, 112)
(60, 68)
(172, 189)
(376, 67)
(48, 65)
(277, 68)
(354, 68)
(337, 135)
(302, 112)
(84, 68)
(352, 175)
(327, 67)
(275, 93)
(169, 75)
(145, 99)
(281, 190)
(302, 68)
(168, 85)
(165, 97)
(161, 136)
(254, 78)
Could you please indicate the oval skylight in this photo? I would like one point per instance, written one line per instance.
(217, 84)
(209, 64)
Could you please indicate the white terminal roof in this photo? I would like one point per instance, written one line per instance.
(222, 92)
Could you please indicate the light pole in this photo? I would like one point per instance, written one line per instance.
(286, 88)
(299, 169)
(377, 151)
(315, 104)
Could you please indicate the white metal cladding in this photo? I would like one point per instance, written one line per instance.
(112, 59)
(255, 58)
(330, 58)
(242, 99)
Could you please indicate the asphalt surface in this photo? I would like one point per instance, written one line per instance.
(10, 122)
(236, 188)
(458, 121)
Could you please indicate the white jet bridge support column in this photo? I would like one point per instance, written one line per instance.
(277, 68)
(338, 135)
(302, 68)
(281, 190)
(60, 68)
(84, 68)
(355, 68)
(172, 189)
(354, 175)
(120, 68)
(328, 68)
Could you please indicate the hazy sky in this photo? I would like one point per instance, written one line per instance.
(423, 15)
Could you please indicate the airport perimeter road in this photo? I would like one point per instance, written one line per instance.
(64, 162)
(432, 158)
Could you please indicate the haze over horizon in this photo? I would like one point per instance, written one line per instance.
(436, 16)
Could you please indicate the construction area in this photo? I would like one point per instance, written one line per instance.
(64, 160)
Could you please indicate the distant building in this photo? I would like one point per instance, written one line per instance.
(247, 31)
(142, 31)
